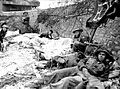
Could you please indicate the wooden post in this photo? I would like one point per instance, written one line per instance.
(92, 34)
(1, 6)
(91, 38)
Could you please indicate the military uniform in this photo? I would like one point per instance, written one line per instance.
(90, 69)
(78, 41)
(2, 35)
(47, 35)
(25, 23)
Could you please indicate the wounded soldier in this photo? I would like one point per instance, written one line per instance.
(65, 61)
(93, 69)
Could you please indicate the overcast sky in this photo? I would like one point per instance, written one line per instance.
(44, 4)
(51, 3)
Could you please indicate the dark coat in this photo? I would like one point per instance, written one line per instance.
(2, 35)
(95, 67)
(46, 35)
(26, 21)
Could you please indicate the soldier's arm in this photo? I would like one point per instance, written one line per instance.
(82, 64)
(115, 70)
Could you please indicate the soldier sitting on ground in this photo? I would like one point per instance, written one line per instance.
(26, 25)
(78, 41)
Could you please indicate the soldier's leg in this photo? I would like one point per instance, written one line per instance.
(59, 74)
(66, 83)
(1, 46)
(95, 83)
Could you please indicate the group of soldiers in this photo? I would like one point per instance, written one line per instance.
(90, 71)
(4, 27)
(26, 28)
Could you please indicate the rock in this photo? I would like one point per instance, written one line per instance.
(36, 83)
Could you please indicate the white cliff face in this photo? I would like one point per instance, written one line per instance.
(44, 4)
(19, 56)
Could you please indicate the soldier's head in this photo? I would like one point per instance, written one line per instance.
(101, 56)
(50, 31)
(77, 31)
(4, 27)
(25, 14)
(104, 55)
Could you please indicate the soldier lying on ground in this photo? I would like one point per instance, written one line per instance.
(93, 69)
(47, 35)
(65, 61)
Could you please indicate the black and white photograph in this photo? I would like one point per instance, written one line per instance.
(59, 44)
